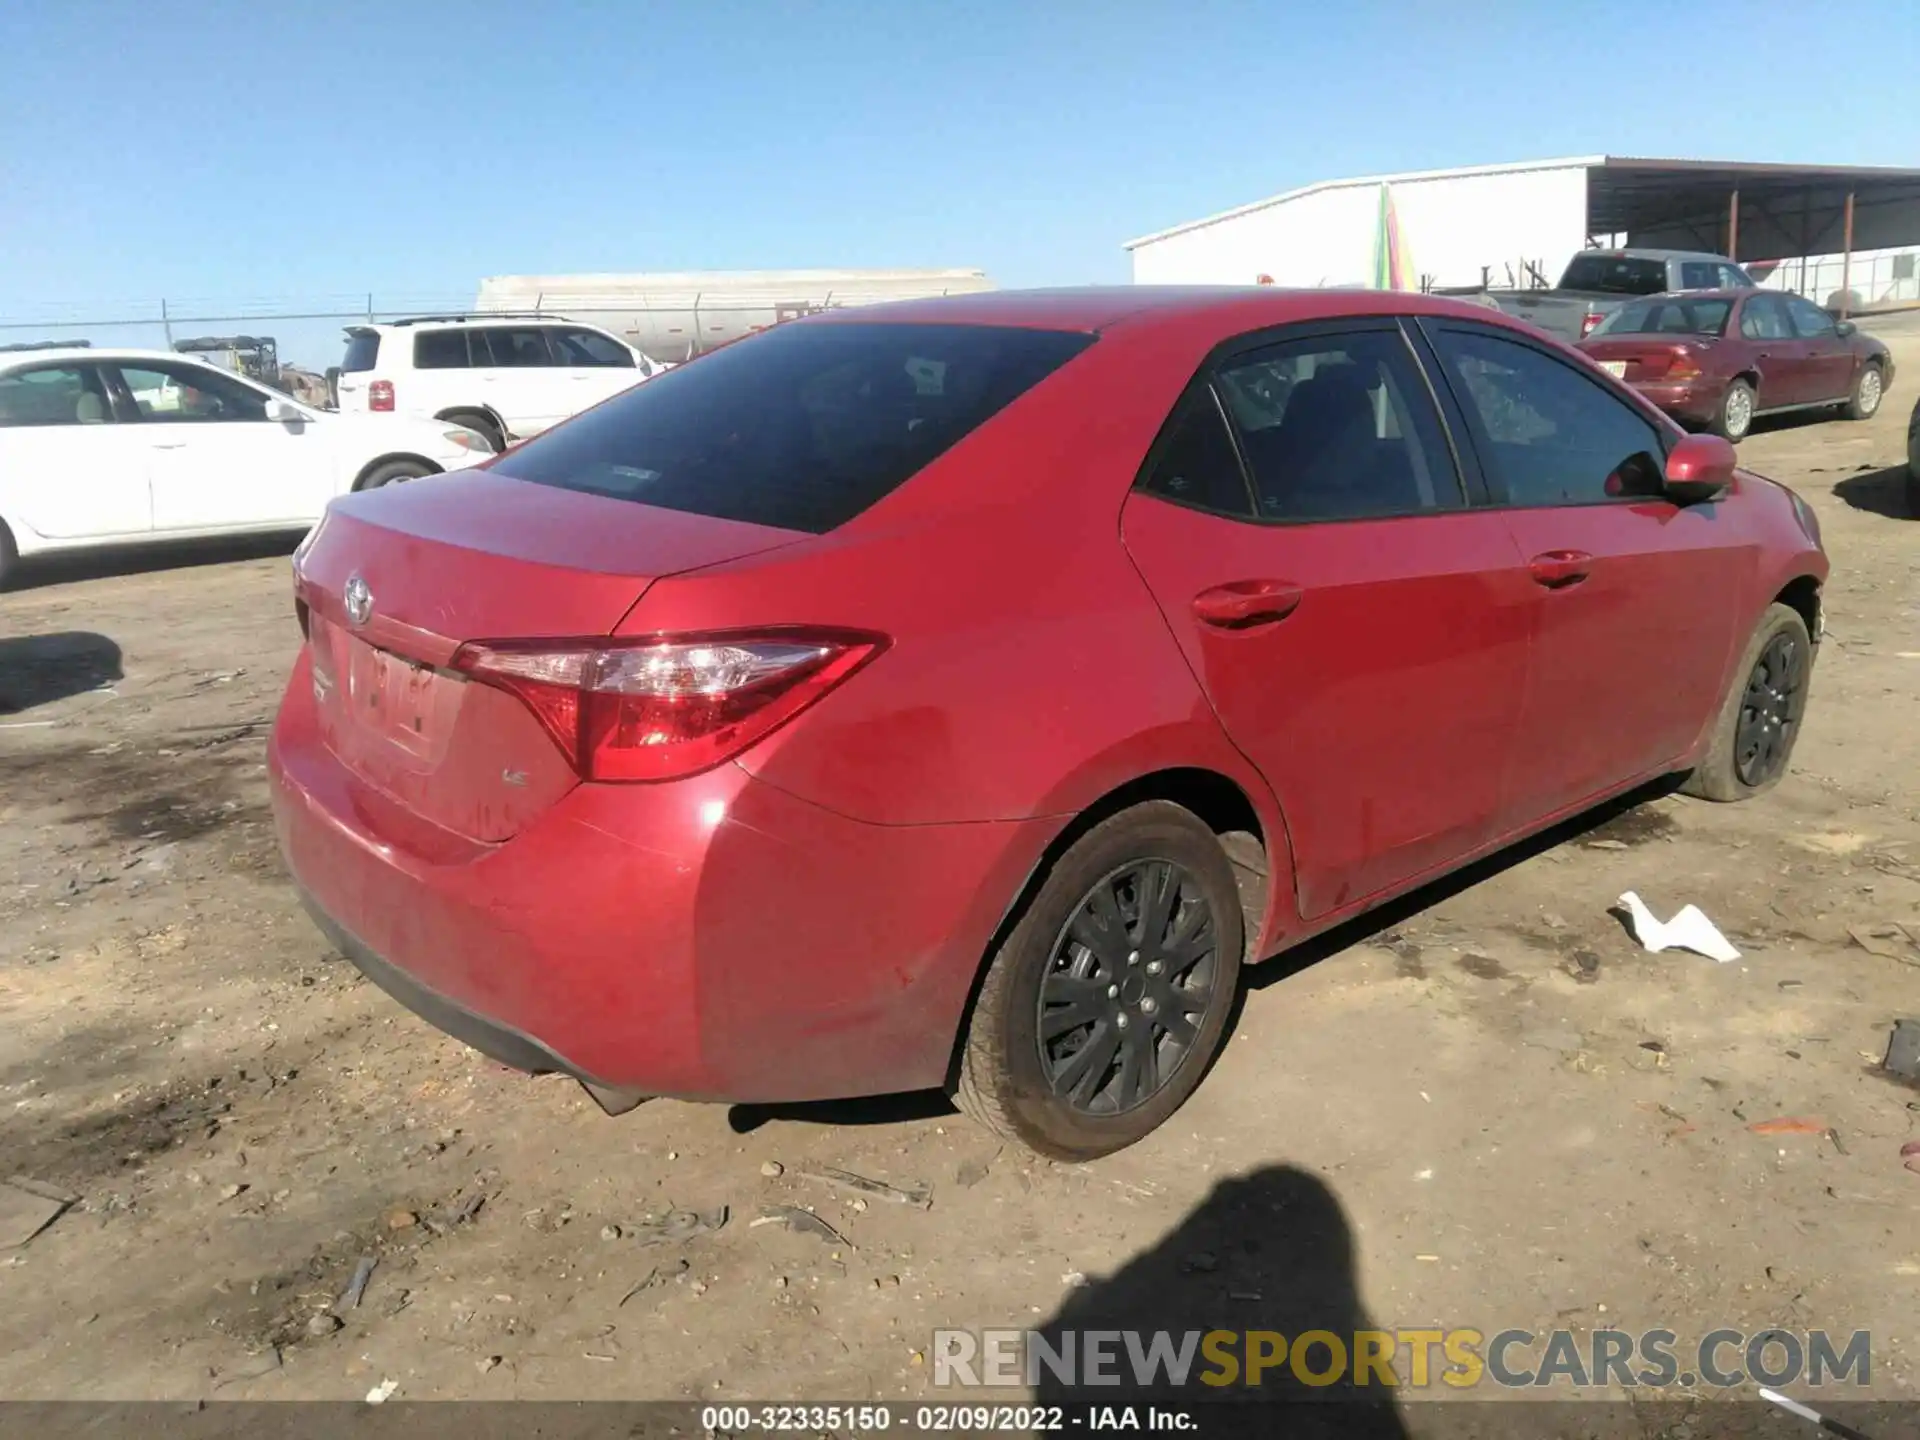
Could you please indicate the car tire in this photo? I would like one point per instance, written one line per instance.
(1759, 719)
(392, 472)
(1014, 1067)
(1733, 417)
(481, 424)
(9, 555)
(1869, 389)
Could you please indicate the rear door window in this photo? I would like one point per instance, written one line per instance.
(363, 352)
(440, 350)
(1195, 464)
(587, 348)
(1549, 435)
(801, 427)
(53, 395)
(1699, 275)
(519, 348)
(1340, 427)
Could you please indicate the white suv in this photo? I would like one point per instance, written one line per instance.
(506, 376)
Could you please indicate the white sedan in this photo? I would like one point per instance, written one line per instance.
(116, 447)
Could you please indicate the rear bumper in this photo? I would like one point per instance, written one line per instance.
(489, 1037)
(1695, 402)
(712, 938)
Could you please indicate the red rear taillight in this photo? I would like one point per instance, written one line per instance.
(380, 395)
(670, 706)
(1589, 323)
(1682, 366)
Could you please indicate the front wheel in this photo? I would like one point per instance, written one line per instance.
(1100, 1013)
(1735, 416)
(1754, 733)
(1868, 388)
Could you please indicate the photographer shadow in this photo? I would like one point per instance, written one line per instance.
(1268, 1251)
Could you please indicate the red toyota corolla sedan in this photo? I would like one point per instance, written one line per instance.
(955, 693)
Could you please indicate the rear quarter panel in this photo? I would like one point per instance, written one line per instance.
(1029, 671)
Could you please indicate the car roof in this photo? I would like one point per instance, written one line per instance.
(416, 323)
(1095, 308)
(1654, 252)
(94, 353)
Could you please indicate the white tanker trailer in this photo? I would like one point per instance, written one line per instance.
(674, 317)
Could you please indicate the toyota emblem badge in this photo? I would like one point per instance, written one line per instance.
(359, 601)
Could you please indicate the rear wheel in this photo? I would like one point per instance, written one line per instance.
(9, 556)
(1868, 388)
(1735, 416)
(1101, 1012)
(480, 423)
(1760, 718)
(395, 471)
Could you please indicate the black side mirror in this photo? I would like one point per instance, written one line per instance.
(1845, 328)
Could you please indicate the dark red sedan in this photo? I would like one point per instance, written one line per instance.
(1717, 359)
(956, 693)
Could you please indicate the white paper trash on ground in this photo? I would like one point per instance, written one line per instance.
(1689, 930)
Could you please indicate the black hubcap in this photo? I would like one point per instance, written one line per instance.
(1769, 710)
(1129, 981)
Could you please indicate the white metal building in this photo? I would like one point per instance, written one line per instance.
(1516, 225)
(673, 316)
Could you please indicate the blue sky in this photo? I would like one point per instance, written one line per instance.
(226, 153)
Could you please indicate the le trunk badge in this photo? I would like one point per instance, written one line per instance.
(359, 600)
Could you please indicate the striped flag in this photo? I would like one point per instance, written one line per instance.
(1392, 266)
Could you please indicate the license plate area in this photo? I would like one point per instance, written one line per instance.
(401, 701)
(466, 758)
(374, 702)
(1615, 368)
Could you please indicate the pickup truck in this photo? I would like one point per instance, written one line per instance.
(1598, 282)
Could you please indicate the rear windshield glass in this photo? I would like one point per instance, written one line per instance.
(363, 351)
(1668, 317)
(1615, 275)
(802, 427)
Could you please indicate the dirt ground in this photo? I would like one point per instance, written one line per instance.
(1487, 1107)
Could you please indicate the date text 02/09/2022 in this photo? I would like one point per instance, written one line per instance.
(940, 1419)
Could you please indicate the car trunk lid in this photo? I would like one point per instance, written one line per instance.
(1646, 357)
(393, 582)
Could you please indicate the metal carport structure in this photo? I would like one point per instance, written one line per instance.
(1755, 211)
